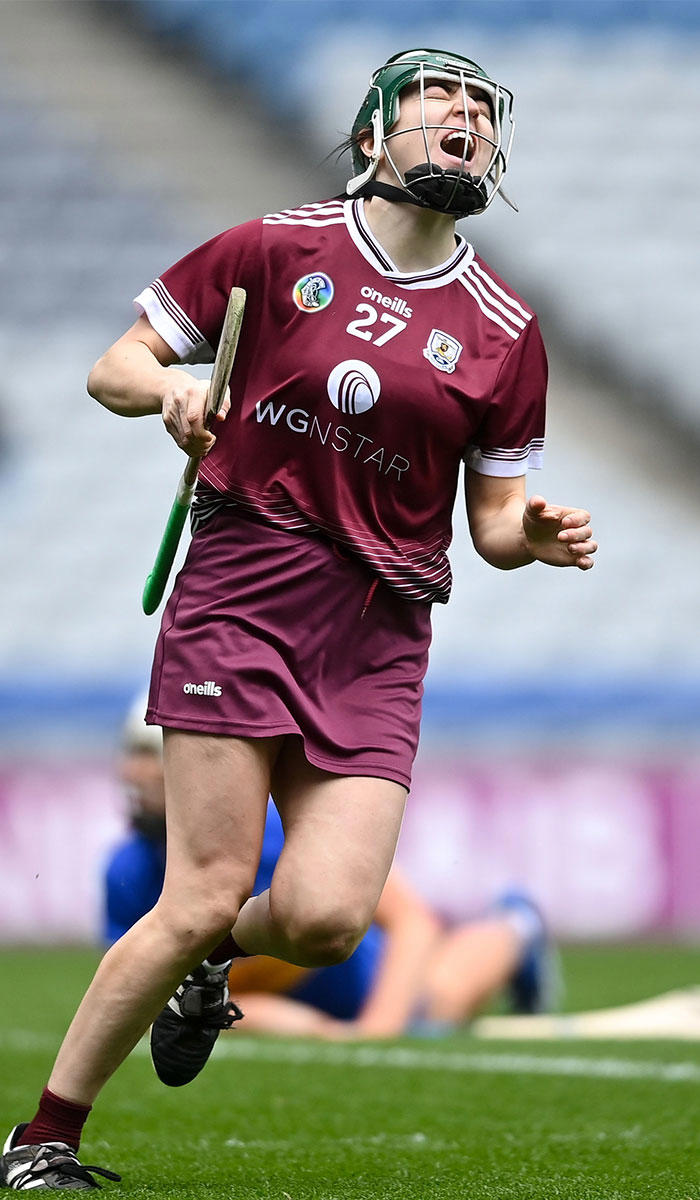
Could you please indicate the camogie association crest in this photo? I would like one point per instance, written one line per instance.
(442, 351)
(314, 292)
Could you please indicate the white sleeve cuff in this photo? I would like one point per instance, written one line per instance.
(506, 463)
(173, 324)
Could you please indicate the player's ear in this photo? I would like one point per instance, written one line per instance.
(365, 141)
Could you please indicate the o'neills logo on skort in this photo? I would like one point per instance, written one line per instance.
(353, 386)
(208, 688)
(313, 292)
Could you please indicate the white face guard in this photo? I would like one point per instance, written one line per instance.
(453, 190)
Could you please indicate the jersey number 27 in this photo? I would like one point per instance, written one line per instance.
(361, 327)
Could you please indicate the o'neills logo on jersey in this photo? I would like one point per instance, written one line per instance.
(397, 304)
(442, 351)
(314, 292)
(208, 688)
(353, 386)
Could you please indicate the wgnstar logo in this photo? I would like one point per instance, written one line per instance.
(208, 688)
(353, 386)
(313, 292)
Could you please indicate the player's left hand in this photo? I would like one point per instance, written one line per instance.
(561, 537)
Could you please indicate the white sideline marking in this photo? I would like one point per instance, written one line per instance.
(406, 1058)
(398, 1142)
(25, 1042)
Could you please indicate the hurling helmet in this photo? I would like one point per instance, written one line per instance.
(451, 190)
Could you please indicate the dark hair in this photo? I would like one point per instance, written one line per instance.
(349, 144)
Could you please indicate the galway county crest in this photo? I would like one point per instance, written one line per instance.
(442, 351)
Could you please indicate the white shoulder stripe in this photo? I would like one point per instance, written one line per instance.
(332, 208)
(488, 312)
(331, 214)
(495, 287)
(490, 298)
(313, 223)
(319, 204)
(314, 206)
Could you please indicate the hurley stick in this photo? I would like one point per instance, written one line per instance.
(223, 365)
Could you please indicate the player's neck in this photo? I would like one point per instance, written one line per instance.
(415, 239)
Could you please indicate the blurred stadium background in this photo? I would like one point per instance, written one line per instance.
(560, 743)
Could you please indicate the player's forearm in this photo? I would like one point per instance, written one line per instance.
(499, 537)
(284, 1016)
(397, 991)
(129, 380)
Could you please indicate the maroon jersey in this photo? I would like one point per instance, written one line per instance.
(358, 389)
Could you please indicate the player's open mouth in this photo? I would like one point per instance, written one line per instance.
(456, 145)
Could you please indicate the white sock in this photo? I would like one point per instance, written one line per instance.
(216, 968)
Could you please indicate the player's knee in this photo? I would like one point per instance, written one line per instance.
(197, 922)
(323, 939)
(218, 918)
(199, 929)
(321, 947)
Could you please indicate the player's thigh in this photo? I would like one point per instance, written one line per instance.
(216, 800)
(340, 837)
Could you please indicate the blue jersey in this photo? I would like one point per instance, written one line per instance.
(133, 883)
(273, 841)
(136, 869)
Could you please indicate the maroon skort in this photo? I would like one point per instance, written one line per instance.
(270, 631)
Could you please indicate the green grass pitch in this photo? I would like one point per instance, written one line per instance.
(409, 1120)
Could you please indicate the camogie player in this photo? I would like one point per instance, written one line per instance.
(378, 354)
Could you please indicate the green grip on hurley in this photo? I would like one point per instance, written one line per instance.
(155, 584)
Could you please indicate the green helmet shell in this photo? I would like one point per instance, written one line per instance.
(389, 81)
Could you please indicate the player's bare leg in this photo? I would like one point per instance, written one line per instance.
(284, 1016)
(340, 837)
(470, 966)
(217, 791)
(508, 949)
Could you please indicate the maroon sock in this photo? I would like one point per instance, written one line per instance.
(225, 951)
(56, 1120)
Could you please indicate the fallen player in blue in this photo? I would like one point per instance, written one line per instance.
(409, 974)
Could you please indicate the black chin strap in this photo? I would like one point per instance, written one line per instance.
(446, 191)
(387, 191)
